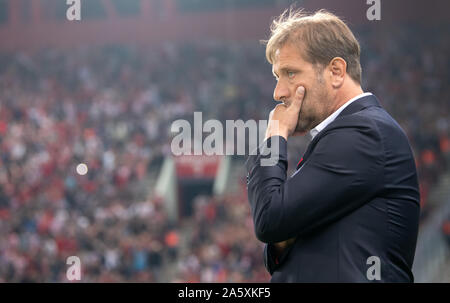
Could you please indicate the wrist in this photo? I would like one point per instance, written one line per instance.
(279, 132)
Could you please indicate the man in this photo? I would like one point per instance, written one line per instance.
(350, 212)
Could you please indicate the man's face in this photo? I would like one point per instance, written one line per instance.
(292, 71)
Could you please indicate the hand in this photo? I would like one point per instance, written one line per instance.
(281, 246)
(286, 115)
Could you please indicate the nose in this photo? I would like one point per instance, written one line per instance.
(281, 92)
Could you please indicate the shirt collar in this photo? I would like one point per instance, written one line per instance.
(313, 132)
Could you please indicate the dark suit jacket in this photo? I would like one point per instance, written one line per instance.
(354, 195)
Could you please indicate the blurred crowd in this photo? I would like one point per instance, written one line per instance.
(112, 108)
(446, 230)
(221, 246)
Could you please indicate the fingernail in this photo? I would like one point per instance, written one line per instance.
(300, 90)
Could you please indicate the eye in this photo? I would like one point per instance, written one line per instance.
(290, 74)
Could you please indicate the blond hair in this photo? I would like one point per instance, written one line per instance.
(320, 37)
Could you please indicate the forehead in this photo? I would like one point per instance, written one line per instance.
(287, 54)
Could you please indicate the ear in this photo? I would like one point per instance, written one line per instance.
(338, 69)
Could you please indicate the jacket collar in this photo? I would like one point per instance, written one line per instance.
(313, 132)
(359, 105)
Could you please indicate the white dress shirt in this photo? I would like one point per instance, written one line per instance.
(313, 132)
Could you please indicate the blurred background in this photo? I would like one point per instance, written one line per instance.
(104, 91)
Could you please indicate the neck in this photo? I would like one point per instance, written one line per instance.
(346, 93)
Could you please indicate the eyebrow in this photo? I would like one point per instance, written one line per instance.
(284, 69)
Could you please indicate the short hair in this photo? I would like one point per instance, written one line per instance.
(321, 37)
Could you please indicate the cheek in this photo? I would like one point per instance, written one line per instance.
(309, 102)
(317, 96)
(308, 110)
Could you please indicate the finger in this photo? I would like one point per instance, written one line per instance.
(278, 108)
(297, 101)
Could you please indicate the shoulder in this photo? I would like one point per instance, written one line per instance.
(374, 121)
(355, 126)
(354, 137)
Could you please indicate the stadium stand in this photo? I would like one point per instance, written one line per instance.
(112, 106)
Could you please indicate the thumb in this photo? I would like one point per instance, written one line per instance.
(298, 99)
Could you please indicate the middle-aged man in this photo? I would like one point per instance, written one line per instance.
(350, 212)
